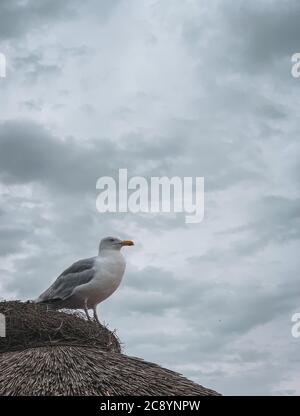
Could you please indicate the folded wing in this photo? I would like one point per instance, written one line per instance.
(78, 274)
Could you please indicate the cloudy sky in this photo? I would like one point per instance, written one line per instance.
(175, 88)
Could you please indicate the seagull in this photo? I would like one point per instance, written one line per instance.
(90, 281)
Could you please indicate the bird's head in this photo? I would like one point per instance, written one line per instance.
(114, 243)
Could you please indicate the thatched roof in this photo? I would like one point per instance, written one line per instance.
(55, 353)
(31, 325)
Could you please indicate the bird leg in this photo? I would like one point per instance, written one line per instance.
(95, 315)
(86, 310)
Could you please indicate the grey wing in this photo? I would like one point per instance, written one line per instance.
(78, 274)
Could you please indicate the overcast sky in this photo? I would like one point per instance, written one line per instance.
(172, 87)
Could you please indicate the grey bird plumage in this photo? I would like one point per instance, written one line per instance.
(81, 272)
(88, 282)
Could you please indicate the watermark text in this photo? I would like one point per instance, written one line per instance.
(2, 326)
(295, 71)
(2, 65)
(296, 326)
(154, 195)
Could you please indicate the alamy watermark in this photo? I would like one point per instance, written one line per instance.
(2, 326)
(295, 71)
(155, 195)
(2, 65)
(296, 327)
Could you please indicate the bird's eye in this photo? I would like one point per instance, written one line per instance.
(111, 239)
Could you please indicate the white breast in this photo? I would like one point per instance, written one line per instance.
(109, 270)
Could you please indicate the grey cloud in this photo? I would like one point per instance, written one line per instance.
(18, 18)
(268, 31)
(174, 89)
(101, 10)
(32, 105)
(276, 220)
(30, 153)
(11, 239)
(255, 35)
(226, 309)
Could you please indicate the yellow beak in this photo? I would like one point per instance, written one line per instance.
(127, 243)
